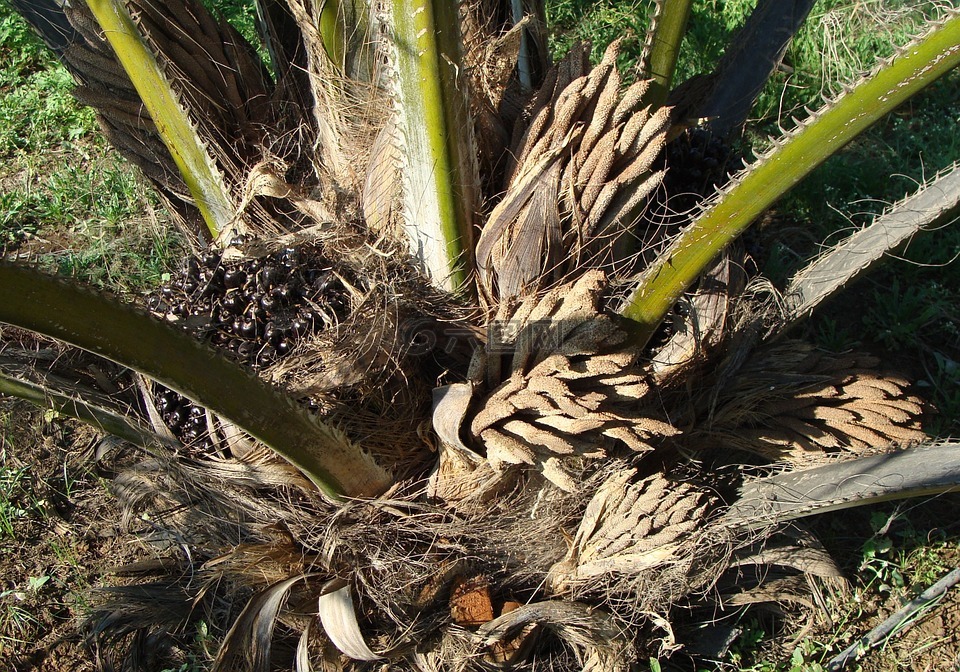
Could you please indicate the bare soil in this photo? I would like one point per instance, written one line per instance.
(65, 537)
(923, 536)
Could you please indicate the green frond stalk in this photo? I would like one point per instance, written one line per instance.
(345, 31)
(792, 159)
(928, 469)
(331, 32)
(438, 167)
(174, 126)
(662, 49)
(859, 252)
(99, 413)
(105, 327)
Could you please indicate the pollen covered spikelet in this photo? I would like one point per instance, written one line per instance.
(563, 385)
(630, 527)
(799, 405)
(582, 171)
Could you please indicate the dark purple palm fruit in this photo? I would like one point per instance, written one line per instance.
(255, 311)
(697, 162)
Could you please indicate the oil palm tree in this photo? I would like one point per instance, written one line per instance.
(463, 431)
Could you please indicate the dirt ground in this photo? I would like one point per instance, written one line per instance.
(929, 646)
(62, 535)
(923, 547)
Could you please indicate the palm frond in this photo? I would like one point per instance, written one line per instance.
(925, 470)
(661, 47)
(99, 410)
(755, 52)
(179, 133)
(326, 455)
(248, 643)
(432, 136)
(850, 258)
(914, 67)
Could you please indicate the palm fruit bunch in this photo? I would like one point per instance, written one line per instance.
(699, 161)
(254, 310)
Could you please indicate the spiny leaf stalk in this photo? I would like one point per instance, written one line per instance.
(162, 102)
(916, 66)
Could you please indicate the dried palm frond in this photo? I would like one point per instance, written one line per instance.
(347, 108)
(593, 635)
(582, 171)
(231, 104)
(494, 41)
(571, 390)
(144, 626)
(460, 473)
(631, 527)
(794, 403)
(248, 643)
(707, 319)
(214, 546)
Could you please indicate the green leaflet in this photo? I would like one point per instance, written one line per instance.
(793, 157)
(175, 128)
(47, 305)
(438, 172)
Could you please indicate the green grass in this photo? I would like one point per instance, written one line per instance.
(600, 23)
(905, 549)
(17, 505)
(17, 499)
(66, 198)
(838, 43)
(13, 490)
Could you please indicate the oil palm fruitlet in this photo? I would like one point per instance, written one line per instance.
(440, 388)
